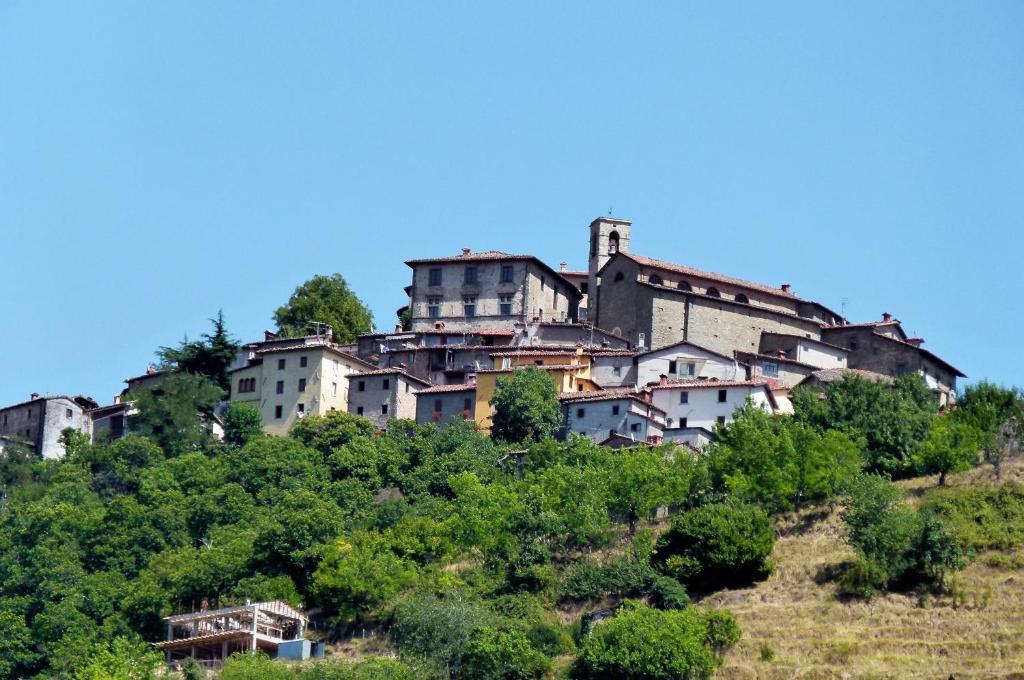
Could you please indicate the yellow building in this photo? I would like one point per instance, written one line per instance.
(569, 369)
(288, 379)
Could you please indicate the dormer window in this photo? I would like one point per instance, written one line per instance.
(713, 292)
(683, 285)
(740, 297)
(655, 279)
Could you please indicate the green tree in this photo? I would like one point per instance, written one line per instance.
(641, 643)
(123, 659)
(330, 431)
(717, 545)
(951, 446)
(211, 356)
(16, 653)
(526, 407)
(242, 422)
(325, 300)
(257, 666)
(176, 412)
(494, 654)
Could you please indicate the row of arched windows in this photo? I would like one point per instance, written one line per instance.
(683, 285)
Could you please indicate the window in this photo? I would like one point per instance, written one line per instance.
(506, 362)
(433, 307)
(539, 362)
(303, 362)
(684, 397)
(682, 423)
(619, 276)
(359, 410)
(361, 386)
(300, 408)
(721, 420)
(278, 411)
(689, 369)
(435, 277)
(334, 389)
(740, 297)
(581, 412)
(470, 275)
(469, 305)
(437, 406)
(543, 283)
(67, 412)
(386, 384)
(506, 273)
(617, 371)
(615, 409)
(634, 427)
(683, 285)
(722, 396)
(672, 367)
(506, 305)
(853, 345)
(583, 287)
(467, 404)
(241, 384)
(280, 364)
(655, 279)
(280, 387)
(713, 292)
(302, 384)
(770, 369)
(383, 409)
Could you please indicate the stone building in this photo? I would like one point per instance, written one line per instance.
(487, 290)
(38, 422)
(603, 415)
(290, 378)
(883, 347)
(444, 403)
(382, 394)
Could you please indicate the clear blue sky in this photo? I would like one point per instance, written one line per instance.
(161, 161)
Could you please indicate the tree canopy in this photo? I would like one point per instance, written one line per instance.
(526, 407)
(324, 300)
(211, 356)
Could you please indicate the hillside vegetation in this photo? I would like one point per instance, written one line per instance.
(423, 552)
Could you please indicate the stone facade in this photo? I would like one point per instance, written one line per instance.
(599, 416)
(488, 290)
(384, 394)
(40, 421)
(443, 404)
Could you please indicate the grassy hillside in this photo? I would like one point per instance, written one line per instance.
(794, 626)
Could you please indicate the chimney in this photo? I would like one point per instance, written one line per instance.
(785, 287)
(398, 328)
(34, 396)
(151, 369)
(564, 266)
(466, 251)
(269, 335)
(916, 342)
(662, 379)
(886, 316)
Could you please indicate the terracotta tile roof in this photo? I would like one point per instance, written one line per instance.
(436, 389)
(711, 276)
(81, 400)
(750, 356)
(607, 395)
(545, 367)
(691, 344)
(433, 331)
(389, 371)
(710, 384)
(527, 350)
(828, 375)
(573, 272)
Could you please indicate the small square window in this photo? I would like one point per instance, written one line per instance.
(361, 386)
(467, 404)
(581, 412)
(280, 387)
(386, 384)
(470, 275)
(359, 410)
(280, 364)
(301, 408)
(684, 397)
(433, 307)
(278, 410)
(615, 409)
(506, 305)
(682, 423)
(721, 420)
(469, 306)
(435, 277)
(383, 409)
(722, 396)
(67, 412)
(672, 367)
(302, 384)
(506, 273)
(617, 371)
(635, 427)
(690, 369)
(437, 406)
(303, 362)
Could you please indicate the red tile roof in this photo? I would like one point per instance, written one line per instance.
(711, 276)
(389, 371)
(447, 388)
(711, 384)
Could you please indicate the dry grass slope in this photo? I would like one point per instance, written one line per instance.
(811, 634)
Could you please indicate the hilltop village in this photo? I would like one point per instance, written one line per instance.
(643, 352)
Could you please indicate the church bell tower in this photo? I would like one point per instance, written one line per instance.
(608, 235)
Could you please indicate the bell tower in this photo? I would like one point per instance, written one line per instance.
(608, 235)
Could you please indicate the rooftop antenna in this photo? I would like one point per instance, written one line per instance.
(844, 301)
(319, 327)
(610, 210)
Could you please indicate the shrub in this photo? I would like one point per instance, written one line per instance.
(438, 628)
(983, 519)
(258, 666)
(589, 579)
(370, 669)
(501, 655)
(646, 644)
(717, 545)
(665, 592)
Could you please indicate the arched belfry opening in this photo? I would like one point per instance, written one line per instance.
(613, 243)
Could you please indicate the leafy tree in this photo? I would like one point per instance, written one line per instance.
(986, 406)
(123, 659)
(242, 422)
(332, 430)
(370, 669)
(646, 644)
(1006, 444)
(255, 666)
(718, 545)
(526, 407)
(325, 300)
(439, 628)
(175, 413)
(951, 446)
(16, 653)
(494, 654)
(211, 356)
(889, 420)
